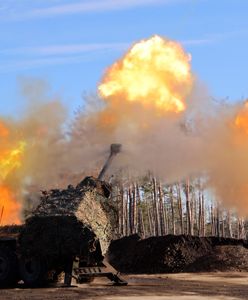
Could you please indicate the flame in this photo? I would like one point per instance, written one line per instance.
(154, 72)
(11, 159)
(241, 120)
(9, 207)
(11, 154)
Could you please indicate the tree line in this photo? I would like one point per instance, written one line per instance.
(149, 207)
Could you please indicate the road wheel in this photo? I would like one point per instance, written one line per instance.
(8, 267)
(33, 272)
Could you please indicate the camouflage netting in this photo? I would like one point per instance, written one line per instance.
(87, 205)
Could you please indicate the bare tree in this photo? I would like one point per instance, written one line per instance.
(180, 208)
(188, 208)
(172, 210)
(155, 207)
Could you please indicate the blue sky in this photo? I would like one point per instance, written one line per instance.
(70, 43)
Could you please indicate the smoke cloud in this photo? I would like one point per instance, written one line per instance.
(202, 138)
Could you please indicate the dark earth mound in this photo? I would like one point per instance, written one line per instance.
(173, 254)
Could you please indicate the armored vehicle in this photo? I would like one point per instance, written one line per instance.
(67, 233)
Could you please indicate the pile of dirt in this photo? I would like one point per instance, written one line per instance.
(223, 258)
(173, 254)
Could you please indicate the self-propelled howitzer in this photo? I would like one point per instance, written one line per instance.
(69, 232)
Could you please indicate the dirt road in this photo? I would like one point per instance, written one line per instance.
(147, 287)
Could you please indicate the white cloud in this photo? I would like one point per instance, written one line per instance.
(69, 49)
(92, 6)
(39, 57)
(197, 42)
(32, 9)
(48, 55)
(65, 49)
(26, 64)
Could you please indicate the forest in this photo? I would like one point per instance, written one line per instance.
(149, 207)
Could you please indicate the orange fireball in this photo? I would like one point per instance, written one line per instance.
(154, 72)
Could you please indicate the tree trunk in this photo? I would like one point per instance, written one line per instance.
(188, 209)
(218, 221)
(156, 212)
(134, 209)
(130, 211)
(127, 213)
(180, 209)
(161, 211)
(229, 225)
(122, 212)
(172, 210)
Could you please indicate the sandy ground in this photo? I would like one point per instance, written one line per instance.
(197, 286)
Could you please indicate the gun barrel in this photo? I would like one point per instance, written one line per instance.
(114, 150)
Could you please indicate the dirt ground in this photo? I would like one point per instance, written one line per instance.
(183, 286)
